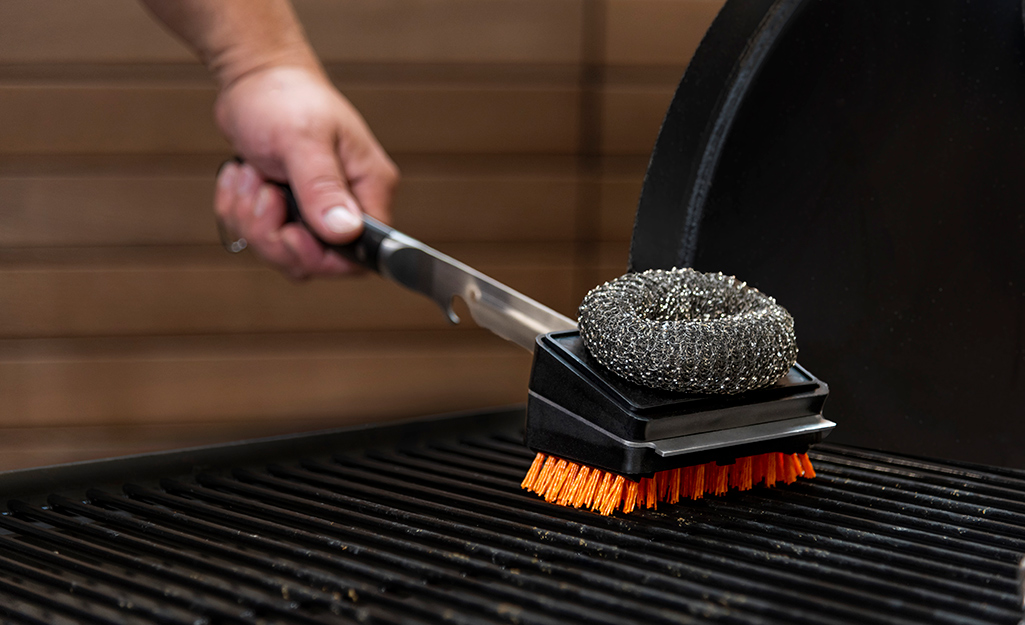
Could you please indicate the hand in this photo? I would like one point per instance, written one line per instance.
(291, 125)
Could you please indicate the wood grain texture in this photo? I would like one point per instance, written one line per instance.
(97, 31)
(656, 32)
(479, 31)
(496, 199)
(621, 181)
(632, 115)
(175, 117)
(209, 292)
(251, 379)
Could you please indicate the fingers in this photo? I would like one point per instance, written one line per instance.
(371, 174)
(249, 207)
(375, 188)
(327, 205)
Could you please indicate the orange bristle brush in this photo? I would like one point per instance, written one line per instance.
(605, 444)
(568, 483)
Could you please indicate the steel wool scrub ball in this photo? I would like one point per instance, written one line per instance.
(690, 332)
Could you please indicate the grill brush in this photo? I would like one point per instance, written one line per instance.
(603, 442)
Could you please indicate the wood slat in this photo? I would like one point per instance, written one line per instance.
(656, 32)
(254, 379)
(145, 292)
(99, 31)
(622, 178)
(477, 31)
(506, 201)
(631, 117)
(176, 117)
(480, 31)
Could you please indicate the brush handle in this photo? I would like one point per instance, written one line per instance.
(365, 250)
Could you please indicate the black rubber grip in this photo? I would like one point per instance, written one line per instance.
(365, 250)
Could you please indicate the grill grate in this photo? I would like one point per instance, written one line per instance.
(438, 530)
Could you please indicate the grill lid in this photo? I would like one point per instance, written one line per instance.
(425, 522)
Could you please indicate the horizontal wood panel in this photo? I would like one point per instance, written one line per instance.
(632, 116)
(486, 119)
(483, 31)
(97, 119)
(621, 182)
(99, 31)
(480, 31)
(54, 210)
(656, 32)
(177, 118)
(254, 379)
(137, 294)
(106, 210)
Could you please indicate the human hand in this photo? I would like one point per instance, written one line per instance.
(291, 125)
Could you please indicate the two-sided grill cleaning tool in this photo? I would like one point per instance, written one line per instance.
(603, 442)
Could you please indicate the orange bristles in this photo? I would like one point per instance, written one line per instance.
(630, 497)
(535, 469)
(674, 486)
(570, 488)
(809, 471)
(567, 483)
(697, 485)
(603, 489)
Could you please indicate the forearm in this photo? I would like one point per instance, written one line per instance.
(238, 37)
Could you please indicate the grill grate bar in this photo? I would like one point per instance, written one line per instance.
(826, 503)
(440, 531)
(970, 477)
(138, 590)
(315, 577)
(222, 577)
(41, 606)
(32, 581)
(501, 444)
(569, 555)
(814, 583)
(900, 522)
(417, 555)
(227, 601)
(977, 529)
(943, 493)
(15, 610)
(397, 577)
(951, 562)
(756, 533)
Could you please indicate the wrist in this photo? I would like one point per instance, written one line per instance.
(232, 65)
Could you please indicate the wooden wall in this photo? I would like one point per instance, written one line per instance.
(522, 128)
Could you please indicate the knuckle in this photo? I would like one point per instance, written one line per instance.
(321, 184)
(390, 174)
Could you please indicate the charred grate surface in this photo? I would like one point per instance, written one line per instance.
(440, 532)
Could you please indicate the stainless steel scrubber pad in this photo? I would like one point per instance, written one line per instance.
(686, 331)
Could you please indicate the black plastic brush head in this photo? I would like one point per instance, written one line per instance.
(580, 411)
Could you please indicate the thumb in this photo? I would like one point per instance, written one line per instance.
(327, 205)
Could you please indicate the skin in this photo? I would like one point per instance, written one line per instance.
(286, 120)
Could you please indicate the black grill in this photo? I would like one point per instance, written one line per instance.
(426, 523)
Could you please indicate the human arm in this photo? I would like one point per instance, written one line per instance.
(282, 115)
